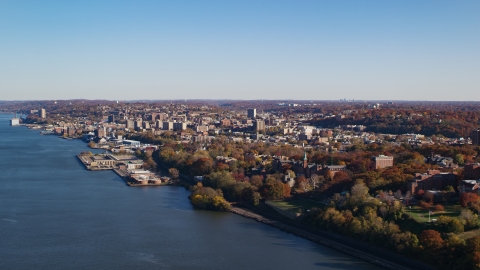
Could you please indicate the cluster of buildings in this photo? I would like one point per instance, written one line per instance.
(202, 124)
(304, 168)
(435, 180)
(109, 161)
(107, 126)
(129, 167)
(42, 114)
(471, 184)
(432, 180)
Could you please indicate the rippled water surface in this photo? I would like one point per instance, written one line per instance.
(56, 215)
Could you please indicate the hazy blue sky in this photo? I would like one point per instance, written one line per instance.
(408, 50)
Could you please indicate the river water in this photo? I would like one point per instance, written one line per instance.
(54, 214)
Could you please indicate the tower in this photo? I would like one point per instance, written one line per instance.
(130, 124)
(259, 125)
(475, 136)
(251, 113)
(42, 113)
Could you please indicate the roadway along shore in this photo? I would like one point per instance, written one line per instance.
(351, 247)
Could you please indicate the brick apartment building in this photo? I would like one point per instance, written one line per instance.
(383, 161)
(471, 171)
(433, 179)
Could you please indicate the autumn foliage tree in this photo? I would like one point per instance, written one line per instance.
(448, 224)
(202, 166)
(286, 190)
(256, 180)
(439, 208)
(300, 184)
(273, 189)
(431, 240)
(208, 198)
(424, 205)
(174, 173)
(466, 199)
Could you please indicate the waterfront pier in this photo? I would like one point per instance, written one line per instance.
(128, 167)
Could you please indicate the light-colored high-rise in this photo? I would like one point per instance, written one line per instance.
(259, 125)
(42, 113)
(130, 124)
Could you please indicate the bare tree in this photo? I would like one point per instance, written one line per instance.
(398, 194)
(469, 217)
(408, 196)
(314, 180)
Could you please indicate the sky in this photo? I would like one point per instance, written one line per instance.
(295, 50)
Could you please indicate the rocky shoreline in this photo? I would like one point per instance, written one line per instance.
(341, 246)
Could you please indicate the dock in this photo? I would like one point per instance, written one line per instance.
(129, 168)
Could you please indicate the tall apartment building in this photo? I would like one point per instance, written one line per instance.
(146, 125)
(179, 126)
(130, 124)
(152, 117)
(42, 113)
(100, 132)
(138, 124)
(475, 136)
(259, 125)
(162, 116)
(252, 113)
(383, 161)
(167, 126)
(111, 118)
(159, 124)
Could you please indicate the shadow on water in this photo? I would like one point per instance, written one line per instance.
(80, 163)
(290, 240)
(119, 181)
(278, 234)
(344, 264)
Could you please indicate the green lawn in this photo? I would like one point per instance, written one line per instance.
(297, 206)
(421, 215)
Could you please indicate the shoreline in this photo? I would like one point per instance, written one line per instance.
(120, 173)
(341, 245)
(348, 246)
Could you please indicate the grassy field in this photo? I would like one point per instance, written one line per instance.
(421, 215)
(297, 206)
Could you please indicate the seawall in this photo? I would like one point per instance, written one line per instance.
(383, 258)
